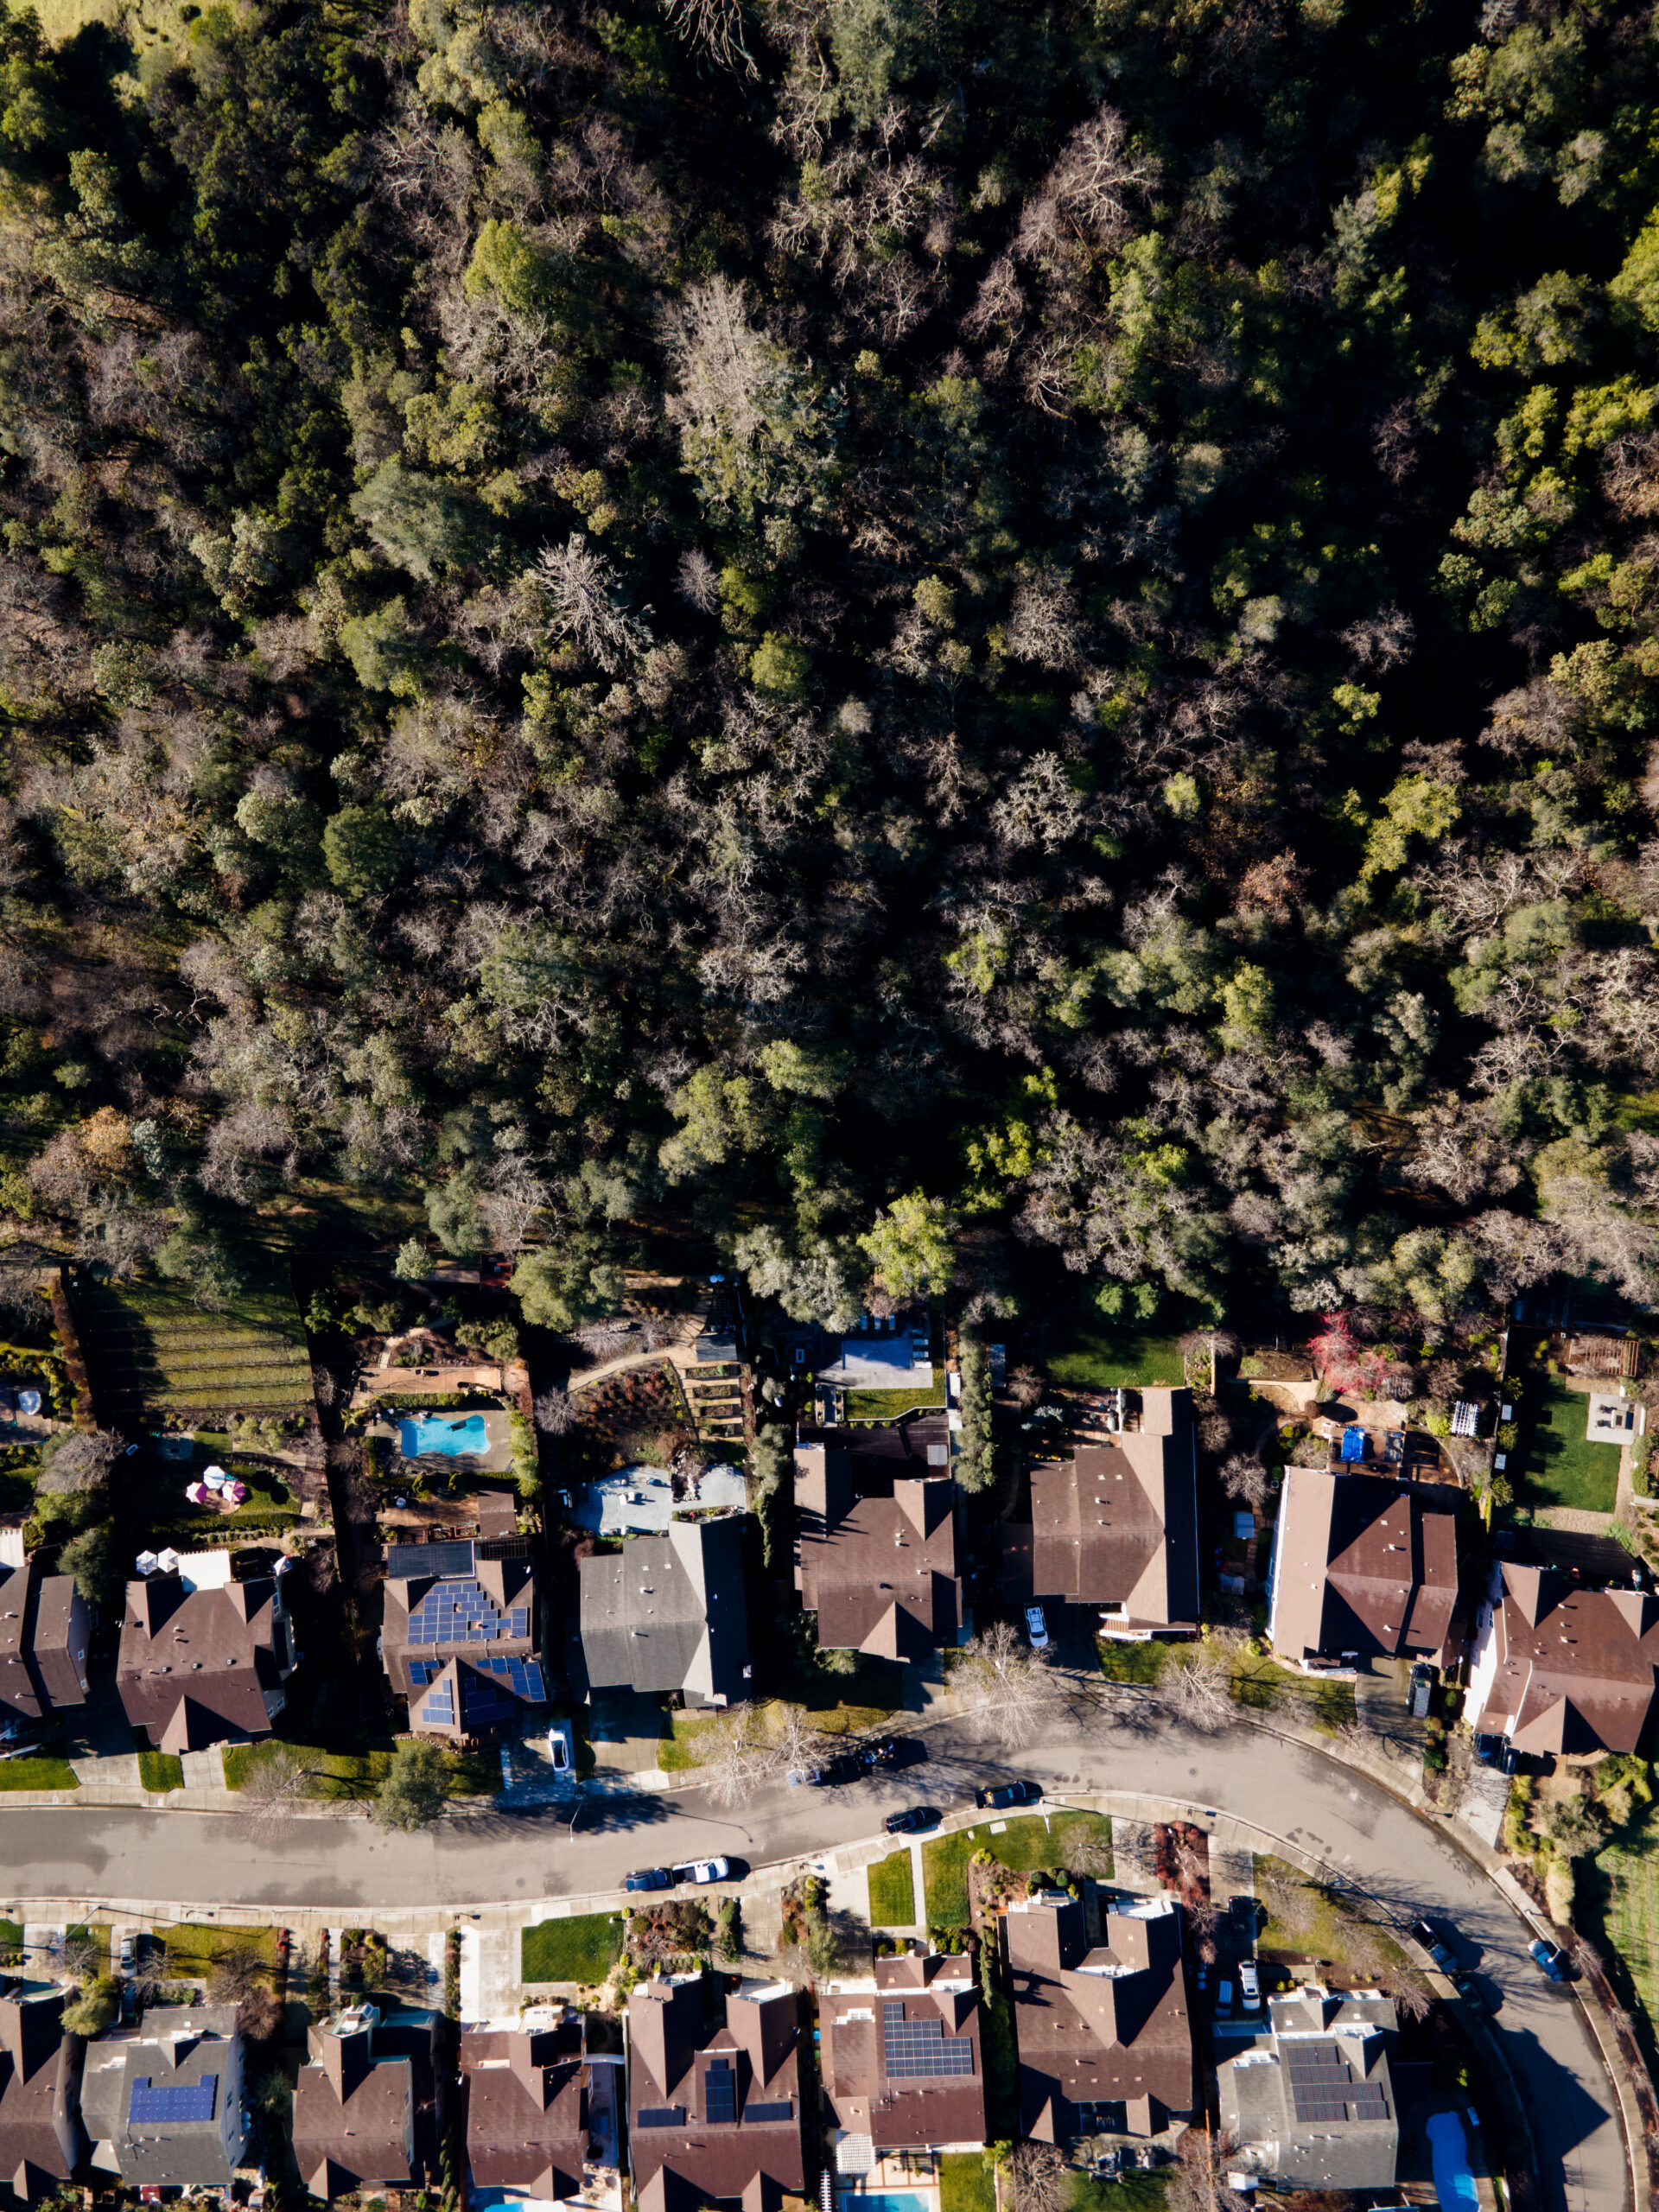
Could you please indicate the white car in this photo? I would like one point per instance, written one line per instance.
(1249, 1985)
(1036, 1627)
(703, 1870)
(561, 1747)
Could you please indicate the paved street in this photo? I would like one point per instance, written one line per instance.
(1285, 1790)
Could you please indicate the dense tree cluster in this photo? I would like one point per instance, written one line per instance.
(937, 633)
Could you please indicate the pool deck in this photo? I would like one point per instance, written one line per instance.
(498, 1431)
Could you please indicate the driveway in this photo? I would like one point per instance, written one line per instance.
(1284, 1789)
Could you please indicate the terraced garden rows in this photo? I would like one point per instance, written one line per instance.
(151, 1351)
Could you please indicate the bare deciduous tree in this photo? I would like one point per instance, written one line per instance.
(715, 27)
(585, 601)
(1292, 1902)
(1087, 1851)
(1042, 2180)
(276, 1784)
(555, 1411)
(82, 1463)
(1196, 1687)
(237, 1973)
(1008, 1693)
(1244, 1477)
(698, 581)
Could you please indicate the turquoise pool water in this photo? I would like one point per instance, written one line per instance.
(1453, 2183)
(892, 2202)
(448, 1434)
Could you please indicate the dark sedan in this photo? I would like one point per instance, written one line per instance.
(913, 1821)
(649, 1877)
(846, 1766)
(1012, 1793)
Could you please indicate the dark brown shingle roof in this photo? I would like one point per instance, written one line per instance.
(41, 2139)
(1364, 1564)
(1105, 2025)
(684, 2075)
(195, 1665)
(912, 2108)
(877, 1565)
(1572, 1669)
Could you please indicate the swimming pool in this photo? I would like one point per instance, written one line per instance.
(899, 2201)
(1453, 2183)
(448, 1434)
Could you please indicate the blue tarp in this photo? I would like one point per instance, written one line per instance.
(1353, 1444)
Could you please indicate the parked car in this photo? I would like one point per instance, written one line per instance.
(913, 1821)
(561, 1747)
(1509, 1758)
(1422, 1690)
(649, 1877)
(1244, 1922)
(1036, 1627)
(128, 1951)
(1223, 1997)
(1431, 1943)
(1549, 1958)
(1012, 1793)
(1249, 1985)
(882, 1752)
(1486, 1749)
(846, 1766)
(703, 1870)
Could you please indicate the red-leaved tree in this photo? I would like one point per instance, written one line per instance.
(1345, 1363)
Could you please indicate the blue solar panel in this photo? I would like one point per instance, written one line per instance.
(168, 2105)
(720, 2093)
(421, 1671)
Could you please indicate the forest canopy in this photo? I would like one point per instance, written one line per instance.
(951, 639)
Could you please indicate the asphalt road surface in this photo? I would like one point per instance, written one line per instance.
(1310, 1800)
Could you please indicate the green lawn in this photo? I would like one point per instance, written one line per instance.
(584, 1949)
(1261, 1683)
(1325, 1938)
(1026, 1844)
(678, 1749)
(892, 1892)
(1555, 1463)
(37, 1774)
(359, 1774)
(193, 1947)
(1136, 2192)
(1090, 1355)
(888, 1405)
(966, 2182)
(1630, 1909)
(1132, 1663)
(160, 1770)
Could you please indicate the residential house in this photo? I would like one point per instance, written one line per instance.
(715, 2107)
(1116, 1527)
(875, 1553)
(46, 1630)
(1363, 1567)
(461, 1636)
(358, 2102)
(41, 2139)
(165, 2107)
(1560, 1668)
(668, 1612)
(1105, 2038)
(1309, 2102)
(543, 2114)
(203, 1657)
(900, 2060)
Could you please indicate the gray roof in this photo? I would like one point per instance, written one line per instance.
(1310, 2101)
(668, 1612)
(177, 2050)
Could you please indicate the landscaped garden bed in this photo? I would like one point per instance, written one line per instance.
(157, 1360)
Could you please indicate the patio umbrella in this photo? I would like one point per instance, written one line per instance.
(167, 1561)
(146, 1562)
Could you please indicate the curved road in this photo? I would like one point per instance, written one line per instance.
(1290, 1792)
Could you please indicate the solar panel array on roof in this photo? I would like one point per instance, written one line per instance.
(458, 1612)
(440, 1707)
(173, 2105)
(767, 2115)
(485, 1701)
(662, 2116)
(414, 1562)
(421, 1671)
(915, 2049)
(720, 2093)
(524, 1674)
(1323, 2089)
